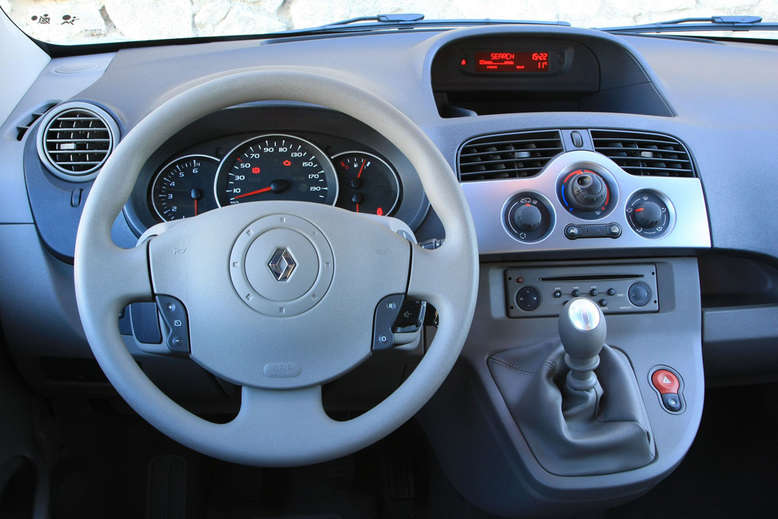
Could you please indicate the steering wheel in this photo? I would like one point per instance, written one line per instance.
(278, 297)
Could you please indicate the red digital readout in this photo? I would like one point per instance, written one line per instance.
(502, 61)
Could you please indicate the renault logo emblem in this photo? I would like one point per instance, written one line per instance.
(282, 264)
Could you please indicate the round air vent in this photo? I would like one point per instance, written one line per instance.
(75, 139)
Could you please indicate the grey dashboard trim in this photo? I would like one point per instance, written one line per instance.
(487, 199)
(61, 79)
(21, 59)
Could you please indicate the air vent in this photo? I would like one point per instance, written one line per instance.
(645, 154)
(75, 140)
(508, 155)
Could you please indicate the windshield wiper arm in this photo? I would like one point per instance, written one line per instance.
(381, 18)
(412, 19)
(713, 23)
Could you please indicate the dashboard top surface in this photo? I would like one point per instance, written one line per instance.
(717, 122)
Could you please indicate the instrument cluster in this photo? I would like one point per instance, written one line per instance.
(274, 166)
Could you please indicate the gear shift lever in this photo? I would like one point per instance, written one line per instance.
(577, 422)
(582, 330)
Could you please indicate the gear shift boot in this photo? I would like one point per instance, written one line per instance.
(579, 407)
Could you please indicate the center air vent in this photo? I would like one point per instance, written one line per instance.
(75, 139)
(645, 154)
(508, 155)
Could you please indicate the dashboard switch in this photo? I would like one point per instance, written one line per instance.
(667, 384)
(672, 402)
(577, 138)
(386, 313)
(665, 381)
(593, 230)
(174, 315)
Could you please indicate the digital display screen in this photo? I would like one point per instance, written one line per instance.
(509, 61)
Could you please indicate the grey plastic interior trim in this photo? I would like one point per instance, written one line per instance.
(43, 127)
(487, 203)
(20, 63)
(274, 427)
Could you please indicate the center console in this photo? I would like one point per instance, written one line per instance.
(505, 454)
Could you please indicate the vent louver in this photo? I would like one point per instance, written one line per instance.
(21, 130)
(509, 155)
(75, 140)
(645, 154)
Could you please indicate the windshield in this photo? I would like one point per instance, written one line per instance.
(100, 21)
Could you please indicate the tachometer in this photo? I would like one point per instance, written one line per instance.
(276, 167)
(182, 188)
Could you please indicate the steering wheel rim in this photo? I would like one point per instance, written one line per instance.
(284, 424)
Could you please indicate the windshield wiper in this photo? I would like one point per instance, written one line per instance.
(713, 23)
(410, 20)
(383, 18)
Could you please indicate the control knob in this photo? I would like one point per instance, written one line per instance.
(588, 191)
(647, 214)
(527, 217)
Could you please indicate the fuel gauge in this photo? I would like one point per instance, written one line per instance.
(367, 183)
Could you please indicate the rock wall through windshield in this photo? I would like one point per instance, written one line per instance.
(91, 21)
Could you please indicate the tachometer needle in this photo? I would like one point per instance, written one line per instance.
(258, 191)
(195, 201)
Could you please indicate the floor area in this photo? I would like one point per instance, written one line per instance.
(119, 467)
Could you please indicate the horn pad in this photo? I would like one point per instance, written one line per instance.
(281, 265)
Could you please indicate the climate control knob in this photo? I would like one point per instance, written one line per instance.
(647, 214)
(588, 191)
(587, 194)
(528, 217)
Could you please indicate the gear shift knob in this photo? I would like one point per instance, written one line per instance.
(582, 330)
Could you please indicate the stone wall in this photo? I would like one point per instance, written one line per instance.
(84, 21)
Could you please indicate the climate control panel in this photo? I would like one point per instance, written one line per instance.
(583, 200)
(543, 291)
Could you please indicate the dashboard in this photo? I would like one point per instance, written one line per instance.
(592, 164)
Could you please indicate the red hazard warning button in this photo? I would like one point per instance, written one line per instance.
(665, 381)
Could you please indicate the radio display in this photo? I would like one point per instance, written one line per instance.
(509, 61)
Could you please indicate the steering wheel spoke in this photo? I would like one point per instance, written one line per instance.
(283, 418)
(123, 278)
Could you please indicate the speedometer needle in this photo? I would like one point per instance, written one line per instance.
(258, 191)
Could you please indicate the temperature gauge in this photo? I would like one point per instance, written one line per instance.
(367, 183)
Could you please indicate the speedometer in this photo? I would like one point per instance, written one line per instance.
(276, 167)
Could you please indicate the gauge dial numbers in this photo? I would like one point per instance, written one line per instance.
(275, 167)
(367, 183)
(182, 187)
